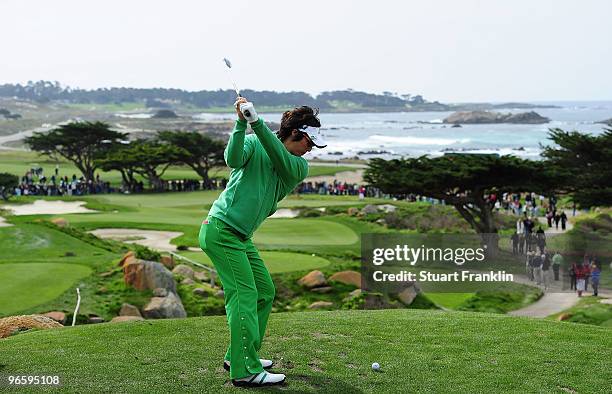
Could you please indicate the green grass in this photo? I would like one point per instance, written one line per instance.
(276, 262)
(589, 310)
(327, 352)
(449, 300)
(27, 285)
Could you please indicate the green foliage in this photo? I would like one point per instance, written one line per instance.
(197, 305)
(581, 165)
(198, 151)
(589, 310)
(144, 253)
(79, 142)
(7, 183)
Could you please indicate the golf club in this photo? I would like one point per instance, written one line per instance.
(229, 67)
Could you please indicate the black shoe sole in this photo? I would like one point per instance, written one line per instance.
(250, 384)
(227, 367)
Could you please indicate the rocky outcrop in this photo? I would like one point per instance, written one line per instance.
(60, 222)
(147, 275)
(120, 319)
(58, 316)
(486, 117)
(167, 261)
(15, 324)
(312, 279)
(169, 306)
(347, 277)
(408, 295)
(129, 257)
(183, 270)
(129, 310)
(321, 305)
(606, 122)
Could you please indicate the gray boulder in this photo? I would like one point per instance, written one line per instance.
(165, 307)
(369, 209)
(129, 310)
(183, 270)
(148, 275)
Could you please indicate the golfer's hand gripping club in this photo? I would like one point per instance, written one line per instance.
(248, 111)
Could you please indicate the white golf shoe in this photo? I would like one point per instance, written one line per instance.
(260, 379)
(264, 363)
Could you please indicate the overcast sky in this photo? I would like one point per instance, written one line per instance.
(454, 50)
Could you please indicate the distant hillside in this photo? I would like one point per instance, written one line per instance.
(331, 101)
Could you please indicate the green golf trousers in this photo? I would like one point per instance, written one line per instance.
(249, 292)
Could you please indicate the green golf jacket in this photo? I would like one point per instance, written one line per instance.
(263, 173)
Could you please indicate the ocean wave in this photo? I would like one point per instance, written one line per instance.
(417, 140)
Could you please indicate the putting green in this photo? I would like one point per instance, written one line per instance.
(25, 285)
(275, 261)
(304, 232)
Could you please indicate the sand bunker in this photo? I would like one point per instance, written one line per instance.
(158, 240)
(3, 222)
(44, 207)
(285, 213)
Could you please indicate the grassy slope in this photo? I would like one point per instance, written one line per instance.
(327, 352)
(44, 282)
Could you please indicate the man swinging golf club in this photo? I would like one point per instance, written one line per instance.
(265, 168)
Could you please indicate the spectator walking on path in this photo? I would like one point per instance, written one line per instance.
(572, 276)
(563, 219)
(595, 276)
(557, 261)
(581, 273)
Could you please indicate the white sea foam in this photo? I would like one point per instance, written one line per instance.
(407, 141)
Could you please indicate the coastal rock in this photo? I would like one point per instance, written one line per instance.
(147, 275)
(352, 211)
(167, 261)
(93, 319)
(322, 290)
(347, 277)
(120, 319)
(408, 295)
(320, 305)
(183, 270)
(129, 310)
(60, 222)
(606, 122)
(353, 294)
(486, 117)
(164, 307)
(201, 276)
(160, 292)
(369, 209)
(14, 324)
(313, 279)
(128, 257)
(58, 316)
(188, 281)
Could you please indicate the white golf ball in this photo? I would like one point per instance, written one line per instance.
(375, 366)
(313, 255)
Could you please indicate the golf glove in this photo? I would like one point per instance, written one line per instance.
(248, 110)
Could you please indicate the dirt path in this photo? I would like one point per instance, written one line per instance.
(552, 231)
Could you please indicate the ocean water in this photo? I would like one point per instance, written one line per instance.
(413, 134)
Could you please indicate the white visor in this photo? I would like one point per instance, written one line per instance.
(315, 136)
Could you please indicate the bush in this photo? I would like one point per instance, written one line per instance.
(144, 253)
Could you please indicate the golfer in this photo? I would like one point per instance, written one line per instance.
(265, 168)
